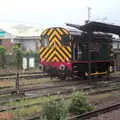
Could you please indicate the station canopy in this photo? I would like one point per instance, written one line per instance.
(98, 27)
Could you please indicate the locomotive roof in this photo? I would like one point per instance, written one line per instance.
(75, 32)
(98, 27)
(97, 34)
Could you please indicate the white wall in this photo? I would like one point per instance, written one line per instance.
(29, 44)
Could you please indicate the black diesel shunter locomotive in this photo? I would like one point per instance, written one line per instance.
(74, 54)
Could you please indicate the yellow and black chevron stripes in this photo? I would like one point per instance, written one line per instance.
(65, 31)
(49, 52)
(44, 52)
(52, 55)
(59, 31)
(50, 31)
(55, 59)
(57, 42)
(55, 52)
(55, 33)
(62, 54)
(59, 57)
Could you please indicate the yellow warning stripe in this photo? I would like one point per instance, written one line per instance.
(57, 41)
(44, 51)
(65, 31)
(66, 51)
(55, 59)
(60, 31)
(55, 33)
(61, 59)
(61, 53)
(51, 43)
(41, 49)
(51, 36)
(48, 53)
(50, 31)
(69, 49)
(98, 73)
(51, 56)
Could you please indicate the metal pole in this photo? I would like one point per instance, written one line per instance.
(17, 83)
(89, 53)
(89, 13)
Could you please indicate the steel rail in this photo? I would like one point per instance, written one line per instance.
(46, 95)
(85, 115)
(31, 76)
(96, 112)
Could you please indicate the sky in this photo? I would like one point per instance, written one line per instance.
(49, 13)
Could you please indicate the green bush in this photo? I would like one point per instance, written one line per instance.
(19, 54)
(2, 56)
(79, 103)
(54, 110)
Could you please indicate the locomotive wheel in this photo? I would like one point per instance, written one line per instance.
(52, 72)
(84, 76)
(62, 75)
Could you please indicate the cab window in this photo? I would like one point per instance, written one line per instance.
(44, 41)
(66, 40)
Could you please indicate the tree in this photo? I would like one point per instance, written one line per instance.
(19, 54)
(2, 55)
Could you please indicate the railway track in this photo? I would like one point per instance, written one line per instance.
(56, 85)
(29, 75)
(54, 93)
(14, 73)
(31, 96)
(84, 116)
(67, 92)
(95, 113)
(39, 103)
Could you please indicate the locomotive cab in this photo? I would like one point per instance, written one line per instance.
(97, 52)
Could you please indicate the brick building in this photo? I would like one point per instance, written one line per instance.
(6, 40)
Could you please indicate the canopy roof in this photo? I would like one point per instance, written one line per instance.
(98, 27)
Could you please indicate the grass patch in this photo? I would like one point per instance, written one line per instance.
(24, 112)
(6, 84)
(102, 96)
(37, 81)
(21, 113)
(25, 101)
